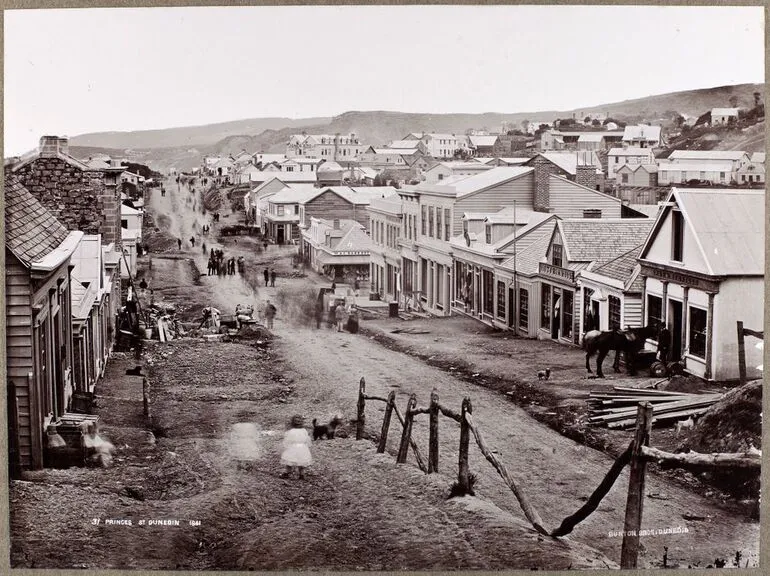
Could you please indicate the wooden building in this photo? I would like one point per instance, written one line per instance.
(39, 327)
(703, 268)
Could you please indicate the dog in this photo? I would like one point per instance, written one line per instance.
(689, 423)
(326, 430)
(544, 374)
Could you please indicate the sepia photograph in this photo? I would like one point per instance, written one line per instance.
(383, 288)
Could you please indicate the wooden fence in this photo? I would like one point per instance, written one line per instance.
(742, 333)
(637, 455)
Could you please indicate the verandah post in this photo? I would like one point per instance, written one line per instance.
(463, 477)
(386, 422)
(361, 416)
(635, 503)
(433, 438)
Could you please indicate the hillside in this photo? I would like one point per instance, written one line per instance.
(189, 135)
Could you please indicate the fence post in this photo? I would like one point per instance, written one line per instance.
(386, 422)
(634, 504)
(465, 436)
(361, 417)
(433, 438)
(14, 453)
(741, 353)
(403, 449)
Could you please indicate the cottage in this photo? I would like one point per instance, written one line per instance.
(39, 321)
(703, 269)
(724, 116)
(753, 171)
(592, 141)
(247, 174)
(637, 175)
(330, 174)
(642, 136)
(633, 156)
(483, 145)
(255, 201)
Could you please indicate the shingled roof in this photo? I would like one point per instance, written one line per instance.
(625, 269)
(601, 240)
(31, 231)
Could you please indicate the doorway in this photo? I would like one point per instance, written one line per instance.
(279, 234)
(511, 307)
(675, 322)
(555, 314)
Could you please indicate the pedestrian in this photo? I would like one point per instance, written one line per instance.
(203, 247)
(211, 254)
(356, 286)
(208, 268)
(270, 311)
(272, 278)
(265, 245)
(267, 277)
(664, 344)
(296, 448)
(192, 241)
(179, 243)
(339, 316)
(319, 312)
(334, 285)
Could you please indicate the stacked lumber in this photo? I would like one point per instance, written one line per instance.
(617, 408)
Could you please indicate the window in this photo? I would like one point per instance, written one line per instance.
(654, 310)
(556, 255)
(592, 213)
(446, 223)
(624, 178)
(430, 221)
(501, 299)
(289, 168)
(697, 324)
(702, 175)
(124, 223)
(488, 280)
(440, 176)
(677, 240)
(488, 234)
(567, 309)
(614, 309)
(438, 223)
(296, 209)
(545, 306)
(280, 210)
(721, 176)
(523, 309)
(423, 279)
(424, 219)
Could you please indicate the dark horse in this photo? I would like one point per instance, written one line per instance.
(630, 342)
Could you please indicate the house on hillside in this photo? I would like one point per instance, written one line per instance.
(703, 268)
(753, 171)
(724, 116)
(642, 136)
(717, 172)
(637, 175)
(618, 157)
(337, 147)
(39, 322)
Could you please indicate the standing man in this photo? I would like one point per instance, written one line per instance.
(179, 243)
(192, 241)
(339, 316)
(270, 311)
(272, 278)
(267, 277)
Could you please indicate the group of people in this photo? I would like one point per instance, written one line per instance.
(269, 277)
(219, 266)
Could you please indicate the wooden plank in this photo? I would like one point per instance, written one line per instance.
(660, 409)
(403, 449)
(361, 409)
(646, 391)
(464, 473)
(22, 300)
(433, 434)
(658, 419)
(386, 422)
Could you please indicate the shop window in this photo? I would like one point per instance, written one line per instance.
(567, 308)
(523, 309)
(545, 306)
(677, 239)
(487, 278)
(501, 299)
(654, 310)
(446, 223)
(614, 311)
(697, 324)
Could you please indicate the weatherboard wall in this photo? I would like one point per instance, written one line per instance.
(494, 199)
(330, 206)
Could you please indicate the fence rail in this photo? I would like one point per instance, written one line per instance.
(637, 456)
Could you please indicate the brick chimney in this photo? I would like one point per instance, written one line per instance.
(543, 170)
(586, 175)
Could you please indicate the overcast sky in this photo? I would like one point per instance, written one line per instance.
(86, 70)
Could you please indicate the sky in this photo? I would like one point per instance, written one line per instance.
(75, 71)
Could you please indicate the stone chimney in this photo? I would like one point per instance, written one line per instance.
(50, 146)
(543, 170)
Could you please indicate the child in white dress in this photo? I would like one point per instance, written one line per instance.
(296, 448)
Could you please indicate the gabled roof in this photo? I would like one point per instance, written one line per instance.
(728, 225)
(758, 157)
(404, 144)
(591, 137)
(33, 155)
(31, 231)
(599, 240)
(263, 185)
(293, 194)
(527, 258)
(129, 211)
(624, 268)
(483, 140)
(642, 132)
(724, 111)
(634, 167)
(630, 151)
(330, 167)
(532, 220)
(355, 240)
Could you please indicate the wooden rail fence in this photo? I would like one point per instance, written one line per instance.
(637, 455)
(742, 333)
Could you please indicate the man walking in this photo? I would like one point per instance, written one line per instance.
(267, 276)
(272, 278)
(179, 243)
(339, 316)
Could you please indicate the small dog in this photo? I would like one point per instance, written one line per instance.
(689, 423)
(544, 374)
(326, 430)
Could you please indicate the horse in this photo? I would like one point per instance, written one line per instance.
(630, 342)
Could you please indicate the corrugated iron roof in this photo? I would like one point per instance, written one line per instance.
(486, 179)
(729, 225)
(707, 155)
(355, 240)
(31, 231)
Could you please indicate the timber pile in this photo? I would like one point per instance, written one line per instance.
(617, 408)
